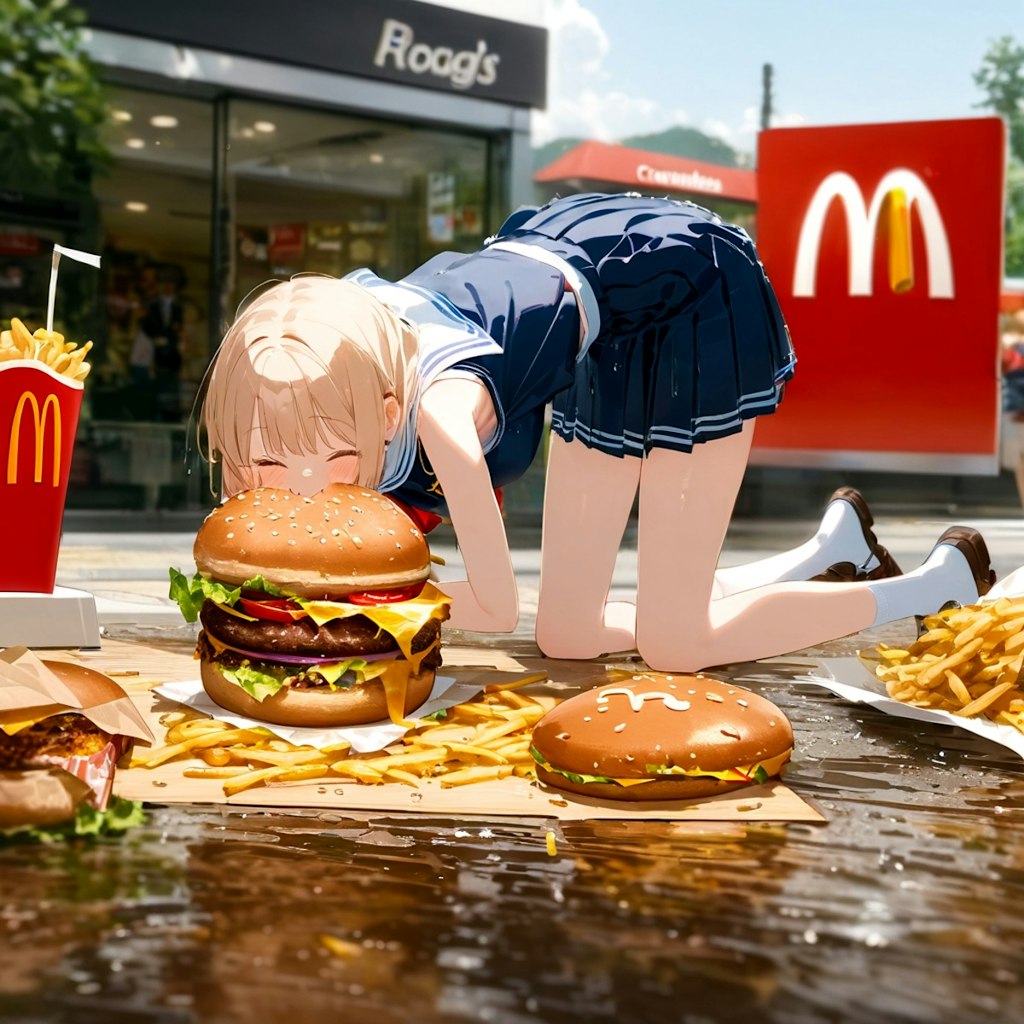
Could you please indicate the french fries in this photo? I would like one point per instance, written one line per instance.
(477, 741)
(968, 661)
(48, 347)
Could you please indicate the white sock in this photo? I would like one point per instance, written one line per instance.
(839, 539)
(945, 576)
(842, 536)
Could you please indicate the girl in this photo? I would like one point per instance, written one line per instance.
(652, 328)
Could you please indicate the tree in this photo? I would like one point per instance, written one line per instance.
(52, 106)
(1001, 78)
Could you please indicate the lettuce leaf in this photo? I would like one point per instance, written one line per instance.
(88, 823)
(189, 594)
(263, 681)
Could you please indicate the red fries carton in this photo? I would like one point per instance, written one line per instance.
(39, 410)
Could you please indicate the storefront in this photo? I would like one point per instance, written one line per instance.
(599, 167)
(251, 141)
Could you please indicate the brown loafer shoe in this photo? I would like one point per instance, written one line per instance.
(886, 566)
(970, 543)
(841, 572)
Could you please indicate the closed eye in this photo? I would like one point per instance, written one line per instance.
(344, 453)
(266, 462)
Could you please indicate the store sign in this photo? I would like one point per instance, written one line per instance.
(884, 246)
(421, 44)
(682, 181)
(398, 48)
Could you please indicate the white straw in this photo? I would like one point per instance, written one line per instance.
(72, 254)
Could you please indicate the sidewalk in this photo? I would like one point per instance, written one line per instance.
(127, 572)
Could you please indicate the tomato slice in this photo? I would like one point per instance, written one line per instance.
(276, 609)
(385, 596)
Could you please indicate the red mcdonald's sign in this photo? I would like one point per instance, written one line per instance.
(884, 245)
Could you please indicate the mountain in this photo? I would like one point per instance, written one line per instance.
(677, 141)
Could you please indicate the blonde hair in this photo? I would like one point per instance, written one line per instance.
(309, 360)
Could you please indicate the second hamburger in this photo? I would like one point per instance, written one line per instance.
(661, 737)
(315, 611)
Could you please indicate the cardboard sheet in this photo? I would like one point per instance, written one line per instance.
(472, 668)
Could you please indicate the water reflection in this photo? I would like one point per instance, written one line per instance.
(903, 907)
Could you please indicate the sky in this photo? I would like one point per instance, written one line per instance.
(629, 67)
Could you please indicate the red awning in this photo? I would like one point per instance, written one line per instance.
(650, 173)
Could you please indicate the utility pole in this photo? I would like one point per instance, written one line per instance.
(766, 96)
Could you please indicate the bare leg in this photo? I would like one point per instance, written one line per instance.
(686, 501)
(588, 497)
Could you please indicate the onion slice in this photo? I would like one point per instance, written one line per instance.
(310, 659)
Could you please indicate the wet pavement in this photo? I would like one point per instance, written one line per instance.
(903, 906)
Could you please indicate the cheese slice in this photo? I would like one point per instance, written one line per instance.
(742, 773)
(14, 721)
(402, 619)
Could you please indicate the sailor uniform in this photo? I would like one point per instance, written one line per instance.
(647, 323)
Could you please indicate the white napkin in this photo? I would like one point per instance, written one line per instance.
(363, 738)
(851, 679)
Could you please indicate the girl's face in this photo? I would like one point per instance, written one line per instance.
(334, 460)
(305, 473)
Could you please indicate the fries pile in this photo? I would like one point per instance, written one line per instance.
(49, 347)
(968, 662)
(478, 741)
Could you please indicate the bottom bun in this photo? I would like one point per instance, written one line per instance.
(319, 707)
(39, 796)
(689, 788)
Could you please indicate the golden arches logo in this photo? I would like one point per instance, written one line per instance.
(898, 193)
(40, 416)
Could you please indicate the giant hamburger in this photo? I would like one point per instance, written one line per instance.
(661, 737)
(315, 611)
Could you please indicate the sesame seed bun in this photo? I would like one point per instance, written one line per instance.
(629, 730)
(341, 540)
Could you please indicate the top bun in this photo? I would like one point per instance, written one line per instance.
(88, 685)
(687, 721)
(343, 539)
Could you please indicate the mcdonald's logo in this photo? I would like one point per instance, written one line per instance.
(898, 194)
(40, 417)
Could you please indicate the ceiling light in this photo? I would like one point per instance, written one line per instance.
(135, 143)
(265, 126)
(163, 121)
(376, 158)
(135, 206)
(121, 115)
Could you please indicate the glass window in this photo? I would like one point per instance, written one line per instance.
(154, 339)
(318, 192)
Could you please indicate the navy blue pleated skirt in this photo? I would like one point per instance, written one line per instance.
(691, 340)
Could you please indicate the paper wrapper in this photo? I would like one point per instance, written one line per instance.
(509, 797)
(30, 690)
(45, 796)
(852, 680)
(38, 421)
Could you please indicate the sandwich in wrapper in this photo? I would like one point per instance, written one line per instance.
(63, 729)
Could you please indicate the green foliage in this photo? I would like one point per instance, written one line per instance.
(686, 142)
(52, 107)
(1001, 78)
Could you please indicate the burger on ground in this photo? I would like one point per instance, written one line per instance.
(315, 611)
(58, 767)
(661, 737)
